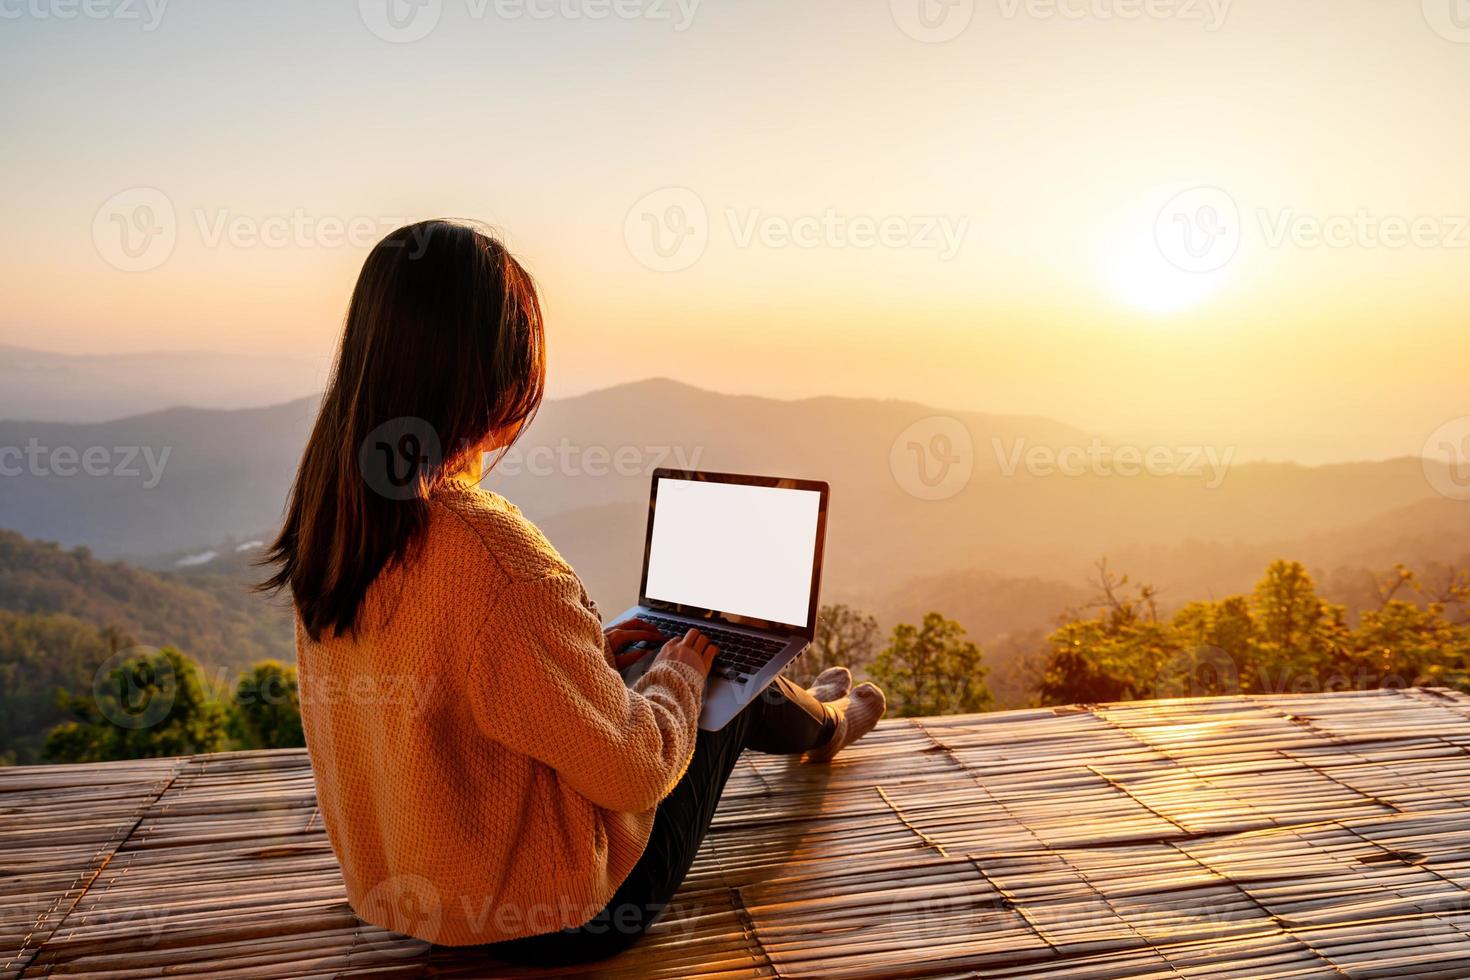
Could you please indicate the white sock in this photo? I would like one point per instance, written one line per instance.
(856, 715)
(831, 684)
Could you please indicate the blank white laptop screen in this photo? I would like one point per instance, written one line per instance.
(739, 550)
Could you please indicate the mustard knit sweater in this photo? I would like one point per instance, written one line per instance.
(482, 771)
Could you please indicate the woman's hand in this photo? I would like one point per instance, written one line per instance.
(694, 649)
(627, 633)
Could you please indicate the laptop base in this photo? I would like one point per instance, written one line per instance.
(724, 698)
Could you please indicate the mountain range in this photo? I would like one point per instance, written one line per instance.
(37, 384)
(1006, 551)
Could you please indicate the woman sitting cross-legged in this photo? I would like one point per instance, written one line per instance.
(484, 773)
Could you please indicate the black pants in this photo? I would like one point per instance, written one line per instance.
(784, 720)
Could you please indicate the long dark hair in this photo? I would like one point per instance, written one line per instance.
(442, 348)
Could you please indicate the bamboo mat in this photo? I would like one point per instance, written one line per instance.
(1207, 839)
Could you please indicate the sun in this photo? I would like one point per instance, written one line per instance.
(1140, 275)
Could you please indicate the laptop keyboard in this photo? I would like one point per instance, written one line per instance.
(741, 654)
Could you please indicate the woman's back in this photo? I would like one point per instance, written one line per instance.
(483, 644)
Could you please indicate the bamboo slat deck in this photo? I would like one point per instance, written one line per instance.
(1283, 837)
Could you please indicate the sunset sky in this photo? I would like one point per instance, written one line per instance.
(981, 222)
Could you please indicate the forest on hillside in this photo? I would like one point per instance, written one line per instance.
(209, 611)
(72, 690)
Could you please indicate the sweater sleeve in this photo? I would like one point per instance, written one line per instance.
(542, 687)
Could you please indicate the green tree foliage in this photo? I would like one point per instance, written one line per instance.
(845, 637)
(1427, 641)
(151, 704)
(41, 656)
(267, 707)
(1297, 634)
(209, 611)
(1282, 638)
(931, 669)
(1212, 642)
(1120, 654)
(50, 686)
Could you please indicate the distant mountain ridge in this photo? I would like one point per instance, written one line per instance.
(1006, 554)
(582, 472)
(225, 474)
(45, 385)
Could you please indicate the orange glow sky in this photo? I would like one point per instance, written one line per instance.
(1055, 141)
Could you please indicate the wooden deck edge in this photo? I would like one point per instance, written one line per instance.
(54, 917)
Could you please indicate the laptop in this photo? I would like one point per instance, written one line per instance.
(740, 559)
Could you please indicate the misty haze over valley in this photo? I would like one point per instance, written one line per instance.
(1005, 540)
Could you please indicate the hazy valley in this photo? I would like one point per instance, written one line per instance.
(1012, 549)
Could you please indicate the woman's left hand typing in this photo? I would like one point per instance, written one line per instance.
(625, 634)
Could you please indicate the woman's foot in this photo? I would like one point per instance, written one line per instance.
(831, 684)
(856, 715)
